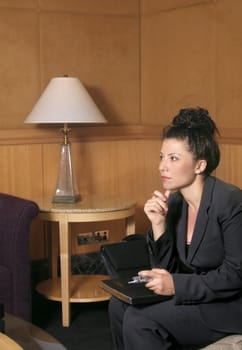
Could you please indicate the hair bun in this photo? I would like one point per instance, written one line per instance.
(195, 118)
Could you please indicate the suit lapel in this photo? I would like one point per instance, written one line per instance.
(182, 232)
(202, 218)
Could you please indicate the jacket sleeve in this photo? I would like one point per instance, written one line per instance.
(163, 252)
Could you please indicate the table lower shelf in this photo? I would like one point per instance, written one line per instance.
(83, 289)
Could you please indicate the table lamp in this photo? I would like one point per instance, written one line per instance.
(65, 101)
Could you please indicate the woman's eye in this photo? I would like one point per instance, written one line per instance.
(173, 158)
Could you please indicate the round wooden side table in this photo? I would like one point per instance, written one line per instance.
(79, 288)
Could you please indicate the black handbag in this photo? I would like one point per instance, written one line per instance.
(126, 258)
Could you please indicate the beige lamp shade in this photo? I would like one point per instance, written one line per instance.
(65, 100)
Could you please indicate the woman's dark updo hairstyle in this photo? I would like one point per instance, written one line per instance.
(197, 127)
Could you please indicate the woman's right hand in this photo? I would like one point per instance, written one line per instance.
(156, 209)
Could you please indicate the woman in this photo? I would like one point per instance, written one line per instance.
(195, 247)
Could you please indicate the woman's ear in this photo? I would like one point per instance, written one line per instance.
(201, 166)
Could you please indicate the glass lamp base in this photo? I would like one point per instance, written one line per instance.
(65, 187)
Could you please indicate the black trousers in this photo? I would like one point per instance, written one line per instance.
(159, 326)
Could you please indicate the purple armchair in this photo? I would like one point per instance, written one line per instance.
(16, 215)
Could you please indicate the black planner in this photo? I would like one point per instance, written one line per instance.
(131, 293)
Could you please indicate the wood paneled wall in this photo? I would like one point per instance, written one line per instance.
(141, 61)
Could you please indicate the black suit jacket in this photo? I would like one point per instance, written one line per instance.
(209, 274)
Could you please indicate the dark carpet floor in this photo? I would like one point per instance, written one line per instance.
(89, 329)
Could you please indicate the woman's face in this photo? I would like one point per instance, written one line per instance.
(178, 169)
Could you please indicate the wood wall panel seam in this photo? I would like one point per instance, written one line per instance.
(89, 134)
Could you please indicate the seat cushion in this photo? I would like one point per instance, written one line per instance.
(231, 342)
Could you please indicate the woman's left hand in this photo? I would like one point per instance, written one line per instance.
(161, 281)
